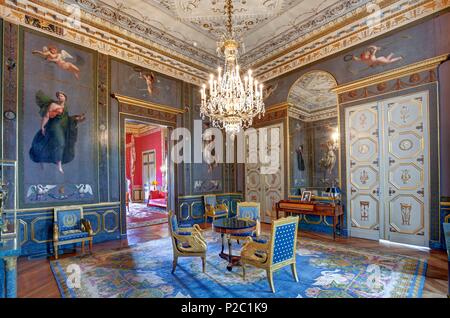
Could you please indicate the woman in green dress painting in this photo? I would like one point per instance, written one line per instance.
(55, 141)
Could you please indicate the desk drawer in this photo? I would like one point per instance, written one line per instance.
(297, 206)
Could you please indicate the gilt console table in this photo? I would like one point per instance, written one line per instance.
(9, 252)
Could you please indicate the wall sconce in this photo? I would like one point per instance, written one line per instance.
(335, 138)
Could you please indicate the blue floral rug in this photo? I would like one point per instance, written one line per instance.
(325, 271)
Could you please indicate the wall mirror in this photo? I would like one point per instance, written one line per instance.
(313, 134)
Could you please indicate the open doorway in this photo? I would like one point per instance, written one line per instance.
(146, 174)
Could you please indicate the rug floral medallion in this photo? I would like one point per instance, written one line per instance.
(325, 270)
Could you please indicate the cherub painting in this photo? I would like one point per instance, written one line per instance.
(149, 80)
(370, 58)
(56, 138)
(51, 54)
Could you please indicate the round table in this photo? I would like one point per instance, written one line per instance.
(229, 227)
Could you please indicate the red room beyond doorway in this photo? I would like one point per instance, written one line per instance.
(146, 167)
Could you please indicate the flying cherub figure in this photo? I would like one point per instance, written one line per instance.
(149, 79)
(52, 55)
(369, 57)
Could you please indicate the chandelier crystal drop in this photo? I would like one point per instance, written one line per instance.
(231, 103)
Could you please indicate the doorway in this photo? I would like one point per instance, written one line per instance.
(145, 173)
(264, 179)
(388, 169)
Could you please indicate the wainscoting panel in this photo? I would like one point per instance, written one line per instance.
(192, 208)
(36, 227)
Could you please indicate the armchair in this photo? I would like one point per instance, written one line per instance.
(214, 210)
(70, 227)
(251, 211)
(277, 253)
(186, 242)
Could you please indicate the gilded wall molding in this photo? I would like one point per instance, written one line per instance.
(141, 103)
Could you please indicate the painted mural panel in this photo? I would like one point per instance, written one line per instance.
(58, 142)
(206, 178)
(137, 82)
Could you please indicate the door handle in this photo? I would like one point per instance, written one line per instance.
(391, 192)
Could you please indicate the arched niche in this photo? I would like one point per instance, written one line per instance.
(313, 97)
(313, 134)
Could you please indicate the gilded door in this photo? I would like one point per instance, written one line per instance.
(265, 179)
(407, 169)
(388, 169)
(363, 170)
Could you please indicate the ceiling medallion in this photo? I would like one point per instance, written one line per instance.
(231, 104)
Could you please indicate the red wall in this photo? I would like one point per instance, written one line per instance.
(142, 144)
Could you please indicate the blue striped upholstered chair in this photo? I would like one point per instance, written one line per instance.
(214, 210)
(70, 227)
(186, 242)
(277, 253)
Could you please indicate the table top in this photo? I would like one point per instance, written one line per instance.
(447, 237)
(233, 225)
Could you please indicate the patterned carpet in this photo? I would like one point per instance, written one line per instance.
(325, 271)
(141, 215)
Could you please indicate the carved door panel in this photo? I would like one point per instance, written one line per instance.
(272, 174)
(252, 172)
(387, 144)
(264, 181)
(363, 170)
(407, 169)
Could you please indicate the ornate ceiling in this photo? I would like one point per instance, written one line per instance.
(179, 37)
(195, 26)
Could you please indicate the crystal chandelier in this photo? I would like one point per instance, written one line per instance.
(231, 104)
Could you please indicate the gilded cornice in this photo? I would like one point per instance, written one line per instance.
(23, 12)
(96, 34)
(277, 107)
(171, 46)
(393, 17)
(141, 103)
(393, 74)
(266, 53)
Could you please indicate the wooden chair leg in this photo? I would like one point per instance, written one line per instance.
(294, 271)
(270, 278)
(55, 247)
(243, 271)
(82, 247)
(204, 264)
(174, 264)
(90, 245)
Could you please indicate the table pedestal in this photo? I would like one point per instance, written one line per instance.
(233, 260)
